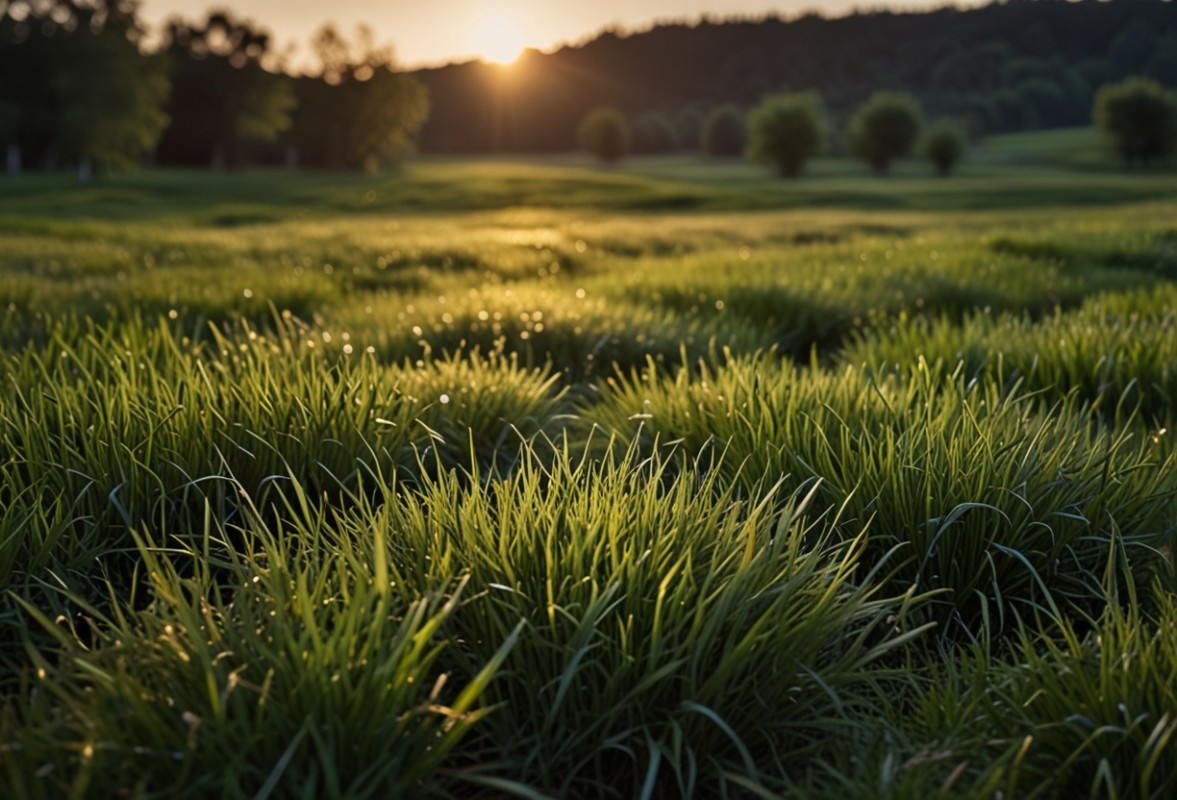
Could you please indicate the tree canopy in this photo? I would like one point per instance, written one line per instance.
(224, 96)
(885, 128)
(1139, 117)
(75, 86)
(359, 113)
(724, 133)
(945, 146)
(605, 134)
(786, 131)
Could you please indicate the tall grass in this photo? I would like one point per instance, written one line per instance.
(1117, 351)
(322, 492)
(279, 666)
(1009, 502)
(114, 427)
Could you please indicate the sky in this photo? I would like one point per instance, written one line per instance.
(427, 32)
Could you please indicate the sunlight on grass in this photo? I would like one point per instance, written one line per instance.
(465, 484)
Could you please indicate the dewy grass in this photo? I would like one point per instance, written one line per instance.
(283, 666)
(1006, 501)
(1117, 350)
(130, 425)
(341, 487)
(671, 636)
(661, 643)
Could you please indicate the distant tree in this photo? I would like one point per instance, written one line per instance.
(223, 93)
(654, 133)
(605, 133)
(1043, 103)
(1139, 117)
(688, 123)
(786, 131)
(9, 131)
(944, 58)
(885, 128)
(359, 113)
(724, 133)
(945, 146)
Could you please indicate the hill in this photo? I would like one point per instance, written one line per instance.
(1004, 67)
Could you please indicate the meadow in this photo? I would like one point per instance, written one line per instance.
(533, 479)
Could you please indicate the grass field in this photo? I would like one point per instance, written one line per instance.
(533, 479)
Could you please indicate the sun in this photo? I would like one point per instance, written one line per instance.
(498, 38)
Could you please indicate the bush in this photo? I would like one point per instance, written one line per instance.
(688, 122)
(885, 128)
(725, 134)
(1139, 116)
(605, 134)
(786, 131)
(945, 146)
(654, 133)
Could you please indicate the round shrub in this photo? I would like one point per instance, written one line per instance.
(605, 133)
(786, 131)
(945, 146)
(885, 128)
(724, 133)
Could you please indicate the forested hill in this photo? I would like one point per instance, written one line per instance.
(1014, 66)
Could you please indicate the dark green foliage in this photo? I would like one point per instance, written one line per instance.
(75, 87)
(786, 131)
(653, 133)
(223, 95)
(1139, 118)
(688, 123)
(725, 133)
(360, 114)
(885, 128)
(605, 134)
(945, 146)
(1005, 66)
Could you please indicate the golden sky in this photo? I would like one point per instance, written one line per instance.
(435, 31)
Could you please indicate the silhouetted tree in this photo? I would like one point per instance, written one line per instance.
(786, 131)
(972, 63)
(653, 133)
(223, 95)
(885, 128)
(688, 122)
(1139, 116)
(605, 134)
(75, 86)
(945, 146)
(9, 133)
(360, 113)
(724, 133)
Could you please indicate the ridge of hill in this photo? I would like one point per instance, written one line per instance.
(1022, 65)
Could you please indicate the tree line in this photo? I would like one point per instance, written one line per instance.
(78, 87)
(1138, 117)
(1012, 66)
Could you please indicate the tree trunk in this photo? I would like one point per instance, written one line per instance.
(85, 170)
(789, 167)
(12, 159)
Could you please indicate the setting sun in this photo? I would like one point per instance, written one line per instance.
(499, 38)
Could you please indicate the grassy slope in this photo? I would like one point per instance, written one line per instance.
(683, 500)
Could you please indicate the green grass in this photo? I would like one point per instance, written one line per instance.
(536, 479)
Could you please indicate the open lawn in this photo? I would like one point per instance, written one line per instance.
(529, 478)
